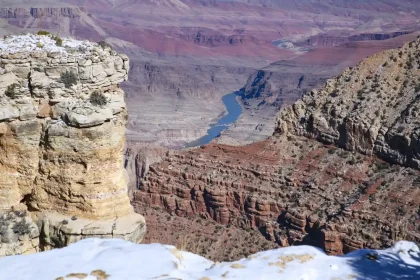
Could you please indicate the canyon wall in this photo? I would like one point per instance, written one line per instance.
(372, 108)
(338, 173)
(62, 133)
(292, 190)
(331, 40)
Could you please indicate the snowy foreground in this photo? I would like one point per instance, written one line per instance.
(36, 43)
(116, 259)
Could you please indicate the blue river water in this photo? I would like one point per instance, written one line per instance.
(234, 110)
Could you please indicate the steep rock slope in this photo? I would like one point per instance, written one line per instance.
(62, 133)
(371, 108)
(292, 190)
(97, 259)
(297, 190)
(282, 83)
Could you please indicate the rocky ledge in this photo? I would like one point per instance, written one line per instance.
(372, 108)
(62, 132)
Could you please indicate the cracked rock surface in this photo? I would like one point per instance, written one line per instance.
(60, 148)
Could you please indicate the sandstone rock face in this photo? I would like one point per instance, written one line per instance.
(293, 190)
(60, 151)
(372, 108)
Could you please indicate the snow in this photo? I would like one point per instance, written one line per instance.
(33, 43)
(124, 260)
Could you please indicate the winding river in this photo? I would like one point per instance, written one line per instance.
(234, 110)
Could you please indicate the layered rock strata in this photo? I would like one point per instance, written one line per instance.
(372, 108)
(62, 133)
(305, 190)
(291, 189)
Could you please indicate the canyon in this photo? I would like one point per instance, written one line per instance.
(336, 174)
(186, 55)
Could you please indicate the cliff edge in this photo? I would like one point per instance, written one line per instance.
(372, 108)
(62, 132)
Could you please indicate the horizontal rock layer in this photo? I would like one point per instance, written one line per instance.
(372, 108)
(294, 191)
(62, 129)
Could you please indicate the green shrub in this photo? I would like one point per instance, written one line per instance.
(58, 41)
(43, 33)
(98, 99)
(56, 38)
(68, 78)
(11, 91)
(22, 227)
(104, 45)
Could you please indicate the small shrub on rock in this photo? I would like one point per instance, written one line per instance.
(58, 41)
(68, 78)
(43, 33)
(22, 227)
(98, 99)
(11, 91)
(104, 45)
(56, 38)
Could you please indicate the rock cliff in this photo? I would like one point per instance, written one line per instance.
(62, 133)
(331, 40)
(372, 108)
(300, 188)
(293, 190)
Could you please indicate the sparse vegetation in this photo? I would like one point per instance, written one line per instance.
(11, 91)
(416, 182)
(43, 33)
(104, 45)
(68, 78)
(98, 99)
(56, 38)
(58, 41)
(22, 227)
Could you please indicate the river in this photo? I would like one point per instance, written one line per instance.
(234, 110)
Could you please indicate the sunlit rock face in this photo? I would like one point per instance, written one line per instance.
(372, 108)
(62, 132)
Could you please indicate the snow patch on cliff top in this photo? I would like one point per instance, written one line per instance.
(41, 43)
(124, 260)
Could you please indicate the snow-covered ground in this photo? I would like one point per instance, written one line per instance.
(93, 259)
(32, 43)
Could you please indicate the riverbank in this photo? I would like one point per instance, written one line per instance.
(233, 112)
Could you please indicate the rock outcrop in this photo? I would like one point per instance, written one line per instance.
(62, 133)
(291, 189)
(18, 234)
(372, 108)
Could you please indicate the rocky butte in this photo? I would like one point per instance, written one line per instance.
(62, 133)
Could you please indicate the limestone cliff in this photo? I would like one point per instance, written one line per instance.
(62, 132)
(372, 108)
